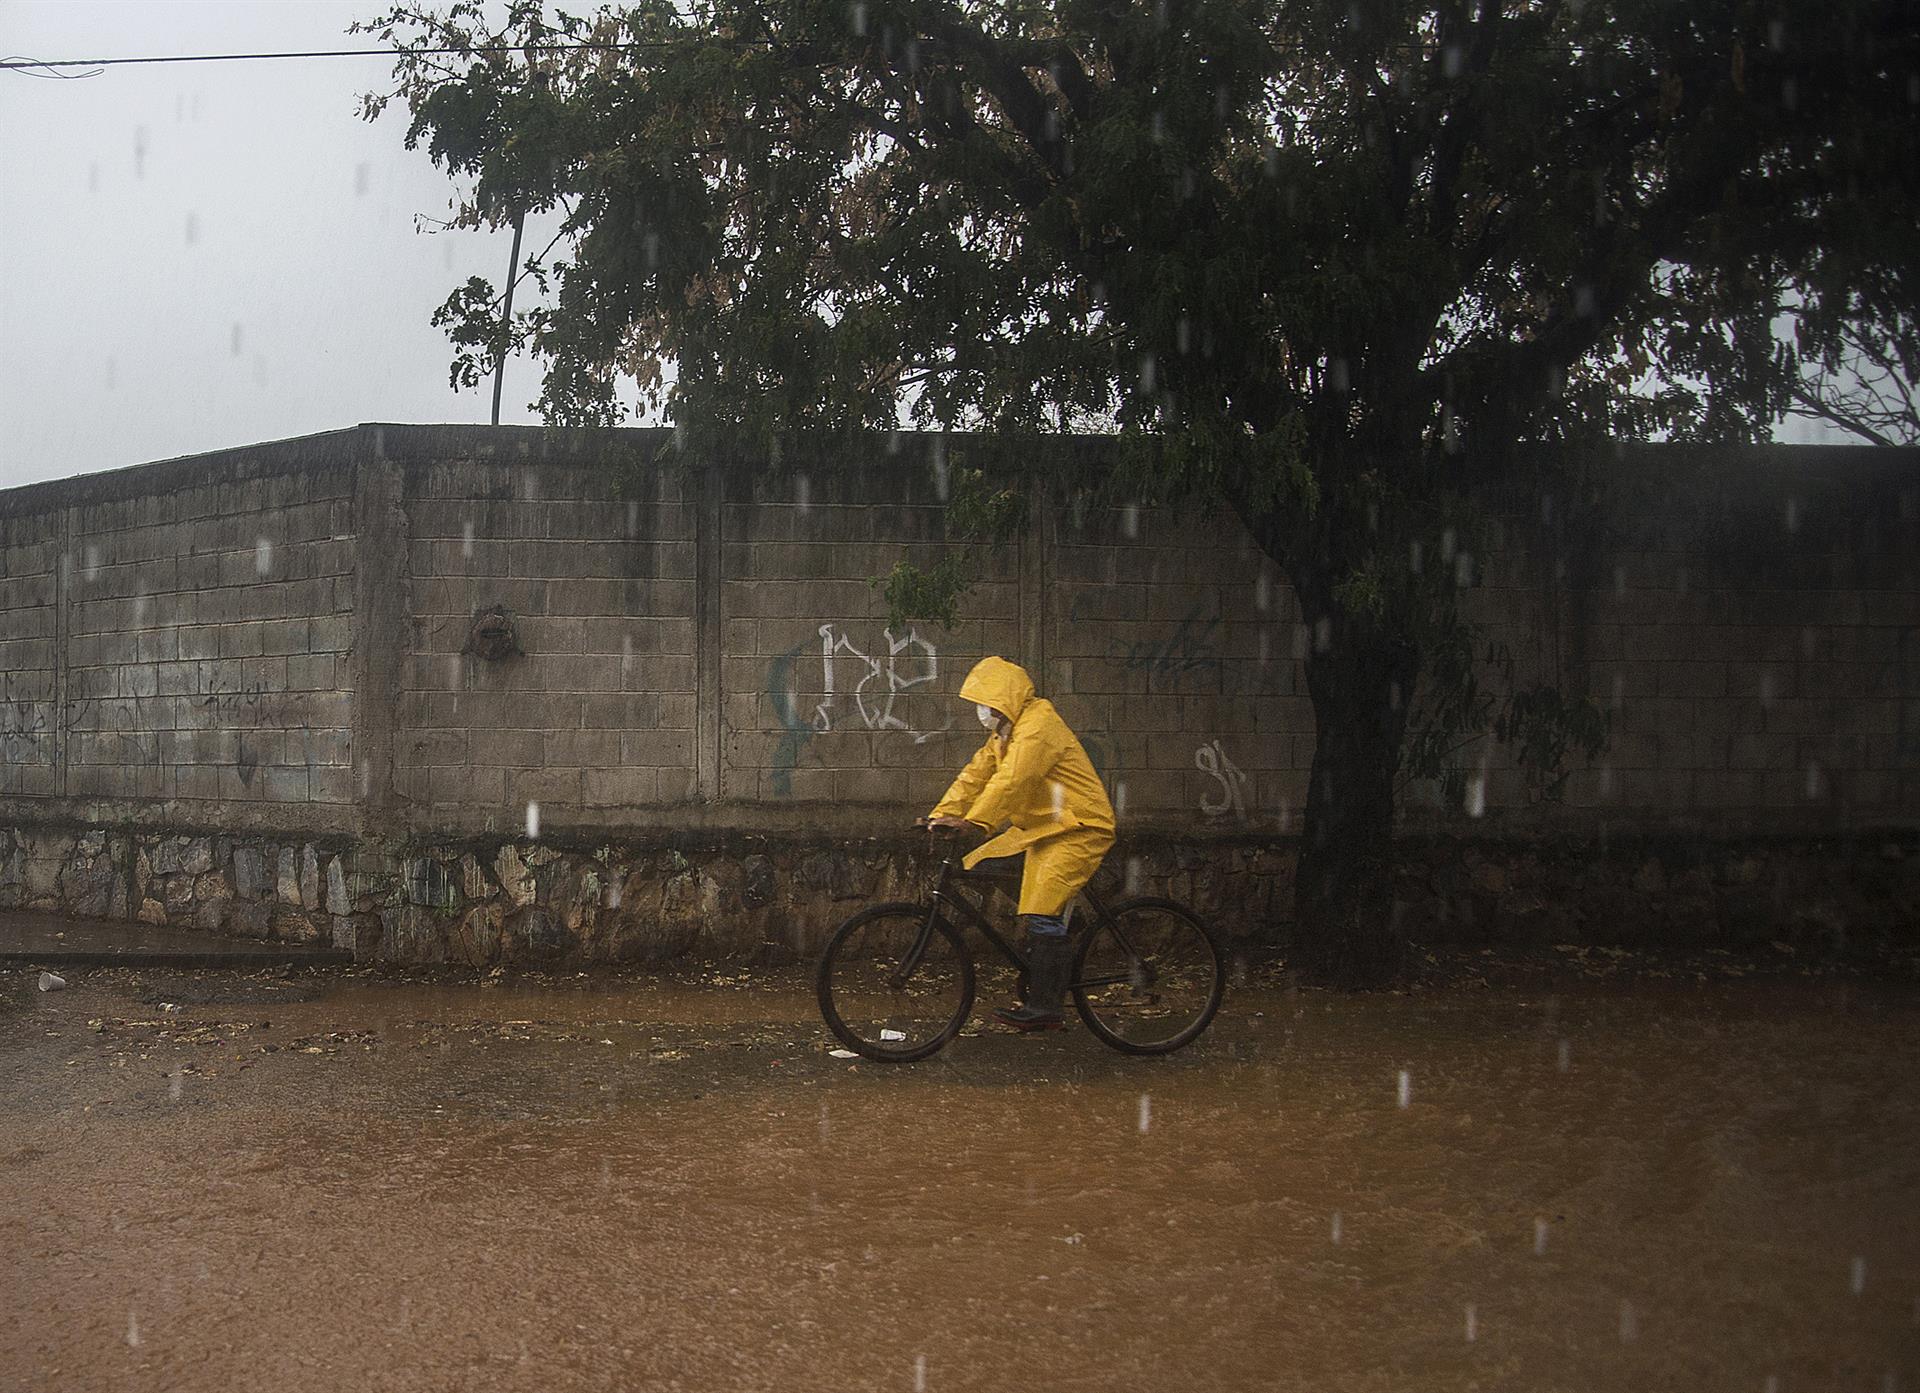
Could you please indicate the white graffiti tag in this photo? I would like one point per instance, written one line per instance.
(904, 669)
(1232, 797)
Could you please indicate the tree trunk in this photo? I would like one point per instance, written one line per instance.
(1346, 931)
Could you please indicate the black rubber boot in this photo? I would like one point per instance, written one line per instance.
(1049, 964)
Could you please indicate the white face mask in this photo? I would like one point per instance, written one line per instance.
(986, 715)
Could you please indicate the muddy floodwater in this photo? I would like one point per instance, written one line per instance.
(212, 1182)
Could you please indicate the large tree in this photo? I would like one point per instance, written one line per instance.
(1331, 261)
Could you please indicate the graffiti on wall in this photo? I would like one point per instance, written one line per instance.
(859, 690)
(1190, 647)
(903, 670)
(26, 726)
(1230, 798)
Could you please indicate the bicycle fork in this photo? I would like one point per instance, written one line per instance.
(924, 939)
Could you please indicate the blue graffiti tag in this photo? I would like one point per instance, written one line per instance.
(796, 730)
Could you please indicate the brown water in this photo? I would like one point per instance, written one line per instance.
(405, 1187)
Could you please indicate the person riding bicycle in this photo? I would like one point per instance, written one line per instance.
(1033, 784)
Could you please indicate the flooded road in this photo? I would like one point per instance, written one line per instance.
(401, 1186)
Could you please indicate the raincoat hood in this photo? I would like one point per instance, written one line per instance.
(1000, 684)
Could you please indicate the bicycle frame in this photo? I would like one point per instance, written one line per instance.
(944, 893)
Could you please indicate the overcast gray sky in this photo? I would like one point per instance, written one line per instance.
(196, 256)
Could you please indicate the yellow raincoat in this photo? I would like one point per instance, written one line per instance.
(1041, 783)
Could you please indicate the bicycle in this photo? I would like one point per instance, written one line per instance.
(896, 981)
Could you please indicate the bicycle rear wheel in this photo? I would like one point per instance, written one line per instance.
(1149, 977)
(891, 986)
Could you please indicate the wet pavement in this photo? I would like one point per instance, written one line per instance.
(57, 940)
(330, 1178)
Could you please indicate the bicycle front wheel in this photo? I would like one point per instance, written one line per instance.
(894, 986)
(1149, 977)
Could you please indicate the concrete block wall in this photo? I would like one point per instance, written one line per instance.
(207, 634)
(822, 702)
(1171, 646)
(31, 546)
(1751, 626)
(597, 708)
(273, 645)
(177, 639)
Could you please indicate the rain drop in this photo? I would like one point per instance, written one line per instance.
(193, 228)
(533, 821)
(92, 566)
(1539, 1237)
(133, 1330)
(173, 1088)
(1566, 1056)
(466, 538)
(360, 173)
(1857, 1280)
(1793, 515)
(1629, 1323)
(1146, 1112)
(233, 341)
(1336, 1226)
(263, 555)
(1135, 880)
(1476, 801)
(1130, 520)
(1472, 1324)
(919, 1373)
(1406, 1087)
(803, 491)
(857, 17)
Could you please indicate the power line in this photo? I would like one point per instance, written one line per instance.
(50, 66)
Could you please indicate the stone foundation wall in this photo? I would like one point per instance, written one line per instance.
(771, 900)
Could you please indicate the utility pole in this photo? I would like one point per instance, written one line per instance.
(506, 313)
